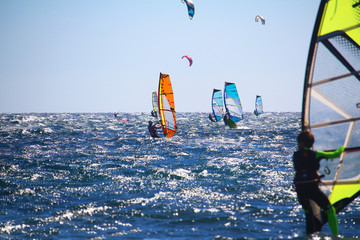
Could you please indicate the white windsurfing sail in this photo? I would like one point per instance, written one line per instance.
(217, 105)
(155, 104)
(331, 102)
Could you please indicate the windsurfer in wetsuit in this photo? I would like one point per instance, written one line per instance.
(152, 130)
(306, 182)
(226, 118)
(211, 117)
(153, 113)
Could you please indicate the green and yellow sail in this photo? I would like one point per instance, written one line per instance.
(331, 102)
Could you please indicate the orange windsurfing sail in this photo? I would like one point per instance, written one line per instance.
(167, 106)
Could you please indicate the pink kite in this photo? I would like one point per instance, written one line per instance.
(189, 58)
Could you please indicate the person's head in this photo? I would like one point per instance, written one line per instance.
(305, 139)
(150, 122)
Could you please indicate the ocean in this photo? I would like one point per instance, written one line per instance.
(94, 176)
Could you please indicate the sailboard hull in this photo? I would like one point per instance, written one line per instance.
(231, 123)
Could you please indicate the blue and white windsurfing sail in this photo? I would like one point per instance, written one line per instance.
(259, 109)
(217, 105)
(232, 102)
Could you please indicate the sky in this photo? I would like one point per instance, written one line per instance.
(106, 55)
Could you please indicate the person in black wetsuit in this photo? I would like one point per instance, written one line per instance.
(154, 113)
(226, 118)
(152, 130)
(306, 182)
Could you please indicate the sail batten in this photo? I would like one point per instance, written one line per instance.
(325, 124)
(324, 81)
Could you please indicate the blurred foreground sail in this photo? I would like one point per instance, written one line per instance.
(331, 100)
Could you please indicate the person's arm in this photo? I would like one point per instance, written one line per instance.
(333, 154)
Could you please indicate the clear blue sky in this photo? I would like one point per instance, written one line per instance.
(106, 55)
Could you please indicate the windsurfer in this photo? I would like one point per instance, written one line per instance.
(153, 113)
(211, 117)
(306, 182)
(226, 118)
(152, 130)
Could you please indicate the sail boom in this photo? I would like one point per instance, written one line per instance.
(343, 182)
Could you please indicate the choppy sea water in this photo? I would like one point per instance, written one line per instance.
(94, 176)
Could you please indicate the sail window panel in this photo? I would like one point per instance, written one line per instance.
(327, 65)
(218, 112)
(322, 113)
(168, 114)
(344, 93)
(348, 50)
(169, 120)
(234, 111)
(330, 137)
(232, 106)
(355, 136)
(350, 167)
